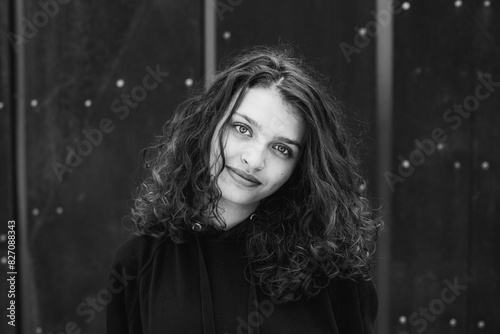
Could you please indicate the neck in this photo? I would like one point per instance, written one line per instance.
(234, 214)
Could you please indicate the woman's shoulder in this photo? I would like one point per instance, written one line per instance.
(135, 252)
(355, 296)
(131, 261)
(362, 287)
(356, 283)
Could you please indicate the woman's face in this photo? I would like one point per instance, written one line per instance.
(261, 148)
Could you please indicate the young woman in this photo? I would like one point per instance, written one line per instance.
(251, 218)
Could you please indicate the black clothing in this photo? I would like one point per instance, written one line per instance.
(199, 287)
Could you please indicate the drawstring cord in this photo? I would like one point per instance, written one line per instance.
(253, 306)
(207, 309)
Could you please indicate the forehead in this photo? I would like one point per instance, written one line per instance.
(271, 114)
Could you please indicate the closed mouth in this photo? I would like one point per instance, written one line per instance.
(244, 175)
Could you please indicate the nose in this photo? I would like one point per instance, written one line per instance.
(254, 158)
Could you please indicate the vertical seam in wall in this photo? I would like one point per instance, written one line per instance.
(210, 28)
(384, 88)
(25, 313)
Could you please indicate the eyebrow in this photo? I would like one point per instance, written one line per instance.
(280, 138)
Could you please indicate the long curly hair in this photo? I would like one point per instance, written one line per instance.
(316, 227)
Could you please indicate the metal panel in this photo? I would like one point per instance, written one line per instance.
(7, 177)
(484, 291)
(102, 78)
(430, 176)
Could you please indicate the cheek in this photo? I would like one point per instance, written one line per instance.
(232, 147)
(281, 174)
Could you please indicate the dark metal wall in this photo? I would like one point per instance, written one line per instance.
(100, 79)
(445, 171)
(7, 183)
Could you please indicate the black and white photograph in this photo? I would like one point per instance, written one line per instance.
(250, 167)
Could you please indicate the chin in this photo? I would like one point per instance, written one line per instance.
(235, 197)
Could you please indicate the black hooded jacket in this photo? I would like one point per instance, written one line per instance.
(199, 286)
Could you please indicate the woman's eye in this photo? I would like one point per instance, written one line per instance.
(242, 129)
(283, 150)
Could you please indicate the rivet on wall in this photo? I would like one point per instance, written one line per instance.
(1, 105)
(4, 260)
(453, 322)
(362, 31)
(405, 164)
(481, 324)
(120, 83)
(440, 146)
(402, 320)
(39, 330)
(418, 70)
(35, 212)
(188, 82)
(457, 165)
(34, 103)
(406, 5)
(486, 3)
(458, 3)
(59, 210)
(226, 35)
(485, 165)
(3, 237)
(87, 103)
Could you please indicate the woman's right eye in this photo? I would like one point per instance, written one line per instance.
(242, 129)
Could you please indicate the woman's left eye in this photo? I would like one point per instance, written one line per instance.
(283, 150)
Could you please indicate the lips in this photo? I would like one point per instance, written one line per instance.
(247, 177)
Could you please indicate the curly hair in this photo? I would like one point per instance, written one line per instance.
(316, 227)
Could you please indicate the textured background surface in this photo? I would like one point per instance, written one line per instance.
(445, 214)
